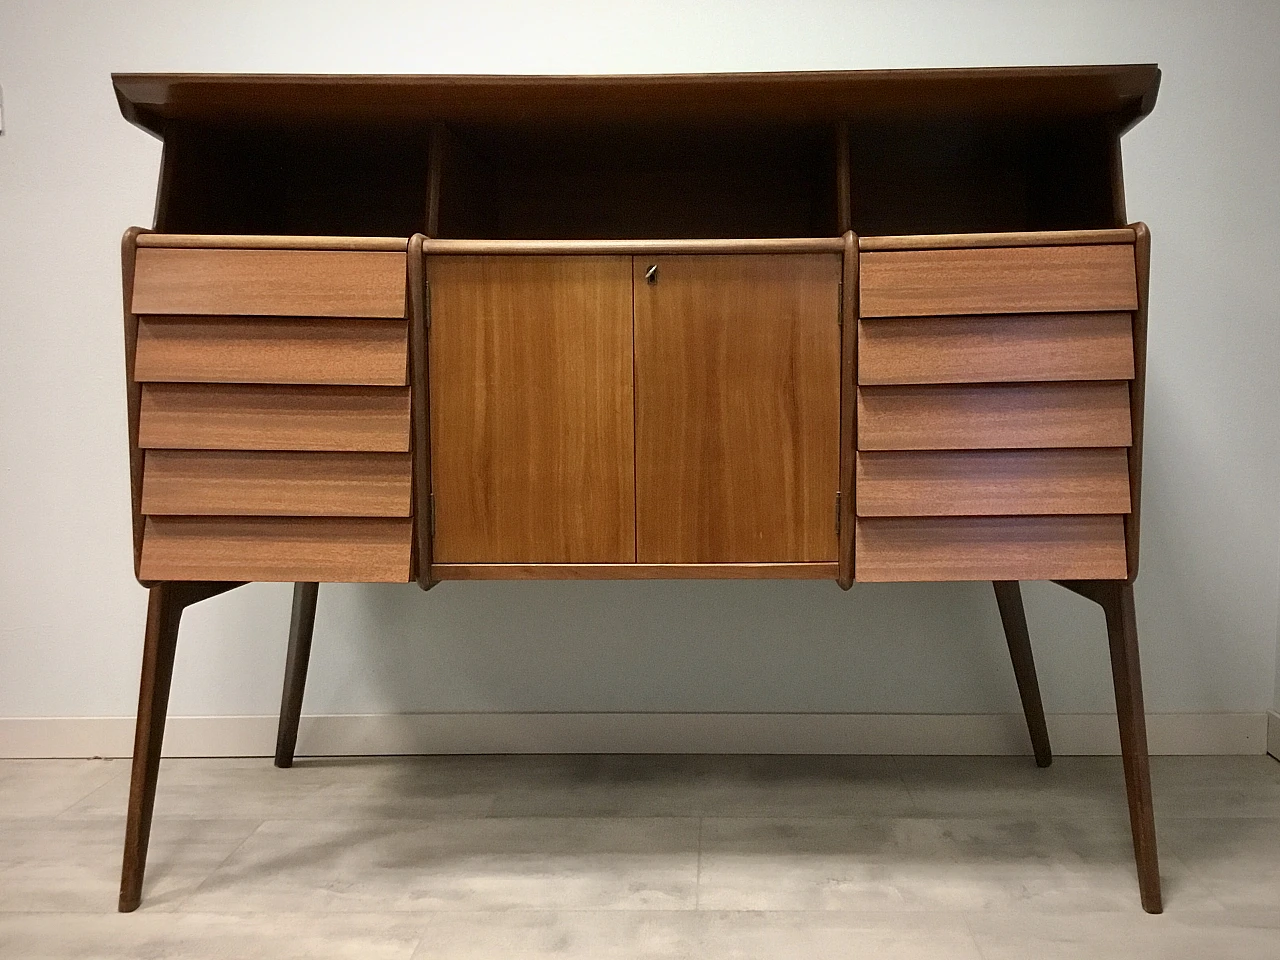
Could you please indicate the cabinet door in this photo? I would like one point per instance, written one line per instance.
(532, 442)
(737, 408)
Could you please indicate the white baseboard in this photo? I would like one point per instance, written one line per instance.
(814, 733)
(1273, 733)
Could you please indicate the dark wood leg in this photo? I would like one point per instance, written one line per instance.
(301, 627)
(1116, 600)
(1014, 618)
(164, 612)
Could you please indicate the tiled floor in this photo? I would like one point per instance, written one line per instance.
(613, 857)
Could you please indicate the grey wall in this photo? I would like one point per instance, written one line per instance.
(1201, 171)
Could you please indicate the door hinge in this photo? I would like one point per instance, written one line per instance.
(840, 305)
(838, 495)
(431, 515)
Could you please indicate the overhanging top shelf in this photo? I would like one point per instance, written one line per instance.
(1121, 93)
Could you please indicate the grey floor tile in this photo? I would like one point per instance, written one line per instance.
(197, 936)
(1216, 786)
(666, 935)
(561, 935)
(1121, 937)
(45, 788)
(1014, 786)
(746, 786)
(1237, 858)
(74, 865)
(922, 864)
(833, 935)
(493, 863)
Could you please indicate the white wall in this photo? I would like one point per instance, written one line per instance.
(1201, 171)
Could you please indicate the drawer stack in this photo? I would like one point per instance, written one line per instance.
(273, 417)
(994, 414)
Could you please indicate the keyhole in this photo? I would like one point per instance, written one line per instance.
(651, 274)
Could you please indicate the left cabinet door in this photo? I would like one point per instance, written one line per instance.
(532, 415)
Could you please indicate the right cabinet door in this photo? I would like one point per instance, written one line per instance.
(737, 407)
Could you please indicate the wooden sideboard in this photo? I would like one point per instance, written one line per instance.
(862, 326)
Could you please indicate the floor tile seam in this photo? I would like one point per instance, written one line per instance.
(221, 863)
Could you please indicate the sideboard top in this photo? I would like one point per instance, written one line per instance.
(1124, 93)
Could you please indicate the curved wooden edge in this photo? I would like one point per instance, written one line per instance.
(133, 390)
(202, 241)
(605, 247)
(635, 571)
(418, 300)
(1037, 238)
(1137, 394)
(848, 408)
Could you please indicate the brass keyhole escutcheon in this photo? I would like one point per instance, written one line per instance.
(651, 274)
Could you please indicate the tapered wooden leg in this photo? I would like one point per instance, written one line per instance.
(301, 627)
(1014, 617)
(1116, 599)
(1126, 672)
(164, 612)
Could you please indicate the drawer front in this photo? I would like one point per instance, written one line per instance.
(994, 416)
(270, 483)
(992, 483)
(916, 283)
(276, 549)
(990, 548)
(274, 413)
(1000, 348)
(338, 350)
(251, 417)
(297, 283)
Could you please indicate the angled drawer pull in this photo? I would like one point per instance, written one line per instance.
(299, 283)
(201, 416)
(921, 283)
(990, 548)
(270, 483)
(276, 549)
(991, 349)
(992, 482)
(994, 416)
(320, 350)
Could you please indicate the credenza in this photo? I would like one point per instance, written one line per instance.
(856, 326)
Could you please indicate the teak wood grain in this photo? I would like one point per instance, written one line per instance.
(992, 416)
(532, 432)
(277, 549)
(989, 548)
(1132, 523)
(737, 367)
(1013, 238)
(914, 283)
(848, 407)
(636, 571)
(272, 350)
(202, 416)
(1026, 347)
(269, 483)
(992, 482)
(302, 283)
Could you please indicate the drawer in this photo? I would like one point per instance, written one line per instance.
(199, 416)
(1046, 279)
(994, 416)
(269, 483)
(989, 548)
(992, 482)
(277, 549)
(298, 283)
(986, 349)
(272, 350)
